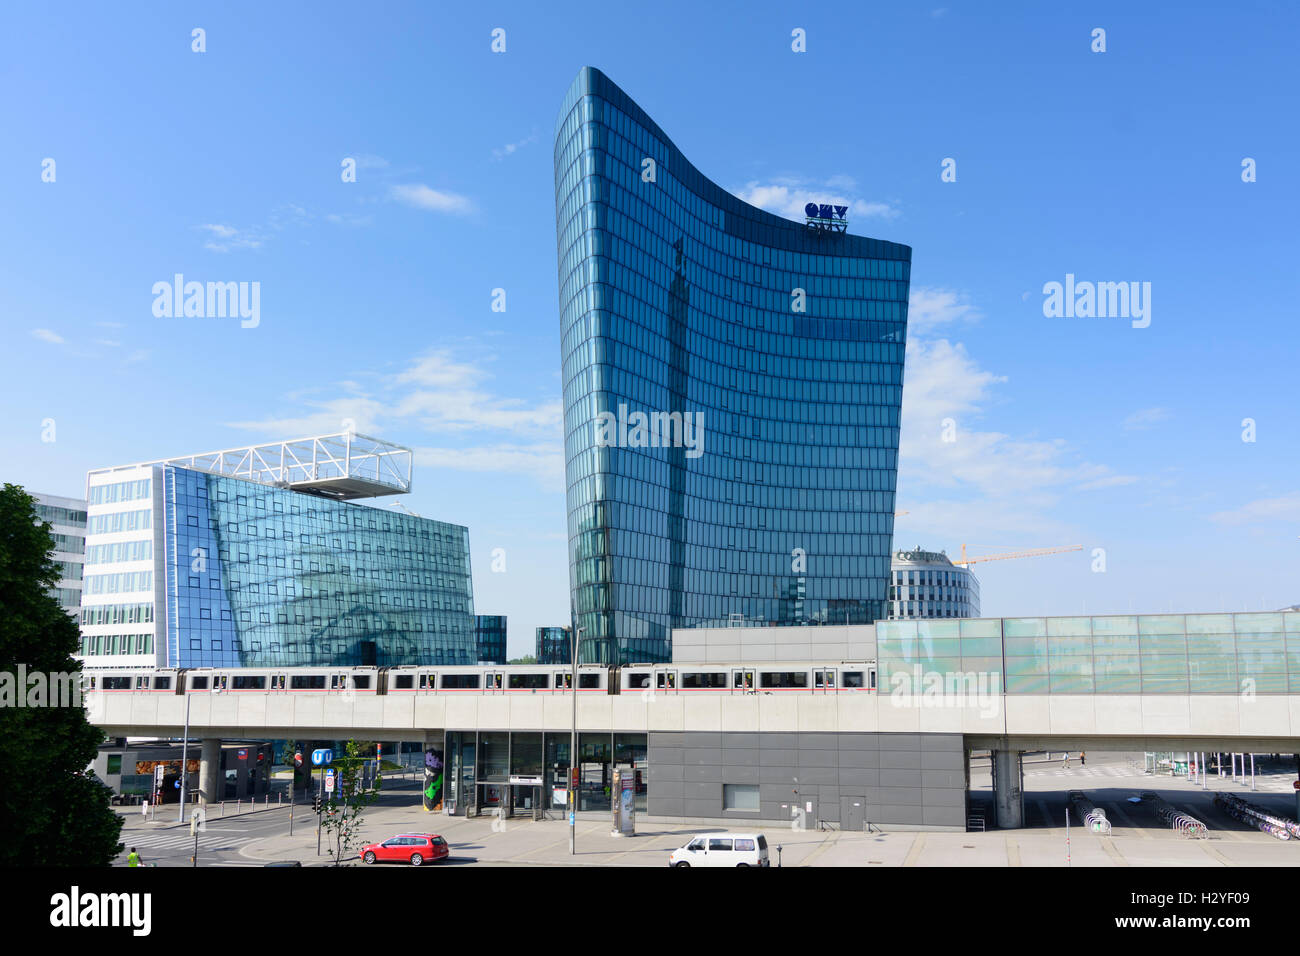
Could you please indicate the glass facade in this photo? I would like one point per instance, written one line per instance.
(731, 395)
(490, 636)
(1120, 654)
(553, 646)
(67, 519)
(258, 575)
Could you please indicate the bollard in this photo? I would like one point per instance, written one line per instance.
(223, 808)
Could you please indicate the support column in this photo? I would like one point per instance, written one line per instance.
(210, 778)
(1008, 786)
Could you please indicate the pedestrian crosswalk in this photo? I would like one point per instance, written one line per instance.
(1268, 783)
(181, 839)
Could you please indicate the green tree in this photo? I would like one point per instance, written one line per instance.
(344, 807)
(55, 812)
(526, 659)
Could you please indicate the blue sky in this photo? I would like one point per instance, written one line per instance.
(376, 295)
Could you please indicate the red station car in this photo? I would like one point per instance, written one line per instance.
(414, 848)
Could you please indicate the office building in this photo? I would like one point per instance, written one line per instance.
(258, 556)
(553, 646)
(490, 637)
(67, 519)
(926, 584)
(731, 382)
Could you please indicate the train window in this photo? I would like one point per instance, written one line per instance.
(494, 681)
(666, 680)
(361, 681)
(460, 681)
(246, 682)
(142, 683)
(307, 682)
(852, 679)
(117, 683)
(162, 683)
(426, 681)
(779, 679)
(588, 681)
(527, 681)
(404, 682)
(824, 679)
(742, 680)
(704, 679)
(277, 682)
(637, 681)
(872, 674)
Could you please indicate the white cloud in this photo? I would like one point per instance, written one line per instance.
(45, 335)
(1145, 418)
(928, 308)
(511, 148)
(1282, 508)
(787, 197)
(226, 238)
(420, 196)
(441, 394)
(985, 477)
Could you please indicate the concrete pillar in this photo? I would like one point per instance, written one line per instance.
(211, 781)
(1008, 780)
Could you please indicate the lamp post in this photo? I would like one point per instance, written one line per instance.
(575, 770)
(185, 751)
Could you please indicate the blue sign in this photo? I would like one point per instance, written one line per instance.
(320, 758)
(826, 217)
(176, 785)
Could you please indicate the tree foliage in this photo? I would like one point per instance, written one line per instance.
(55, 812)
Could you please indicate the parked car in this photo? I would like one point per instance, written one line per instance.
(413, 848)
(722, 849)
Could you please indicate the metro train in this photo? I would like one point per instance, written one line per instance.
(843, 677)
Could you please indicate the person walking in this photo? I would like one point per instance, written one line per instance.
(1065, 764)
(133, 858)
(1083, 759)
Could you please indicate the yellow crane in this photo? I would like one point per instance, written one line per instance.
(1031, 553)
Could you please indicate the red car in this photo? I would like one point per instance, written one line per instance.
(413, 848)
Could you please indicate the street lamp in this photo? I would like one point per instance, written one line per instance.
(575, 770)
(185, 752)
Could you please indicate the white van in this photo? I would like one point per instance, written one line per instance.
(722, 849)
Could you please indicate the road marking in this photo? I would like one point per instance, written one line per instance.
(918, 844)
(1115, 810)
(1113, 851)
(1219, 857)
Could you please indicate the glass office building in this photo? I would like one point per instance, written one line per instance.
(926, 584)
(67, 520)
(490, 636)
(1115, 654)
(553, 646)
(732, 383)
(258, 575)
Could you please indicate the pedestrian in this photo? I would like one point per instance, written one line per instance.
(1066, 762)
(133, 858)
(1083, 759)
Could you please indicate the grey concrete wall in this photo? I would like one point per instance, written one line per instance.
(903, 780)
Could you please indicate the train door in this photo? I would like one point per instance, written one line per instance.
(824, 680)
(563, 682)
(279, 682)
(665, 680)
(871, 677)
(142, 682)
(742, 680)
(493, 682)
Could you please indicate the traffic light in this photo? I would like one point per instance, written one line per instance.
(315, 803)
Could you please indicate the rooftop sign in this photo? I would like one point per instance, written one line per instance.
(826, 217)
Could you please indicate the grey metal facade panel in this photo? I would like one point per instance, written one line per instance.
(900, 779)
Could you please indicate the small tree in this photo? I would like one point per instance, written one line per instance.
(344, 807)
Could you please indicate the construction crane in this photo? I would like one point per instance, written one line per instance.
(1032, 553)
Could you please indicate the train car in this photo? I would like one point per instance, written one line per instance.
(495, 679)
(726, 678)
(259, 680)
(165, 680)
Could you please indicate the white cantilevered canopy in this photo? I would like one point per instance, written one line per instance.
(342, 466)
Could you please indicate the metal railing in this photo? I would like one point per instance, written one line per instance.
(1186, 824)
(1089, 814)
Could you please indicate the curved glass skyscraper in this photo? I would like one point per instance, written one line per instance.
(731, 395)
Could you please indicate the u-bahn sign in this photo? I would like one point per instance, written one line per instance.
(826, 217)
